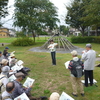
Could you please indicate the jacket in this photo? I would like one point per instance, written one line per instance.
(89, 58)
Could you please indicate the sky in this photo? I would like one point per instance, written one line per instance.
(60, 4)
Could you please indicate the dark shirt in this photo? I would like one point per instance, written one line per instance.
(18, 90)
(5, 53)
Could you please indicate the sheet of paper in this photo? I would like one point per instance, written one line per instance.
(12, 78)
(22, 97)
(20, 62)
(67, 64)
(16, 67)
(94, 81)
(65, 96)
(28, 82)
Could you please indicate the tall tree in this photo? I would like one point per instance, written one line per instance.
(92, 12)
(74, 15)
(3, 9)
(33, 15)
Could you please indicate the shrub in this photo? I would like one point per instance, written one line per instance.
(80, 39)
(86, 39)
(23, 42)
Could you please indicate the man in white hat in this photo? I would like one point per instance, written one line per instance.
(12, 60)
(76, 68)
(89, 57)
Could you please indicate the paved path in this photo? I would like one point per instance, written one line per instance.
(38, 49)
(4, 44)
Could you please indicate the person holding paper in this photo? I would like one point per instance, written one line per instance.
(89, 57)
(75, 79)
(19, 89)
(52, 48)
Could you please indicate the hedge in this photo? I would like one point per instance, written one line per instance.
(86, 39)
(23, 42)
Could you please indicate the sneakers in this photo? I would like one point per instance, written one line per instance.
(75, 95)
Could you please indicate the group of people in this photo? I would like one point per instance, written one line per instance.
(78, 67)
(85, 66)
(12, 89)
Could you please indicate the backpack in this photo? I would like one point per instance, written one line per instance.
(77, 69)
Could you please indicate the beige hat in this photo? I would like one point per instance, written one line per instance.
(4, 61)
(74, 53)
(12, 55)
(19, 74)
(54, 96)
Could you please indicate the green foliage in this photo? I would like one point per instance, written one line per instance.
(92, 11)
(32, 16)
(23, 42)
(3, 9)
(43, 33)
(76, 14)
(86, 39)
(20, 34)
(64, 29)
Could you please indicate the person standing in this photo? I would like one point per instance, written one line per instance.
(52, 48)
(76, 68)
(89, 57)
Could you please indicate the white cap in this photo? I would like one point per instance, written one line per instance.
(74, 53)
(54, 96)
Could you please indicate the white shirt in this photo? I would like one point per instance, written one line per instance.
(5, 93)
(52, 47)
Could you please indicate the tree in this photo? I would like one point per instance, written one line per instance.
(74, 15)
(3, 9)
(34, 15)
(64, 29)
(92, 12)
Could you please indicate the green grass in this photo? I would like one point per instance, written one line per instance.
(50, 78)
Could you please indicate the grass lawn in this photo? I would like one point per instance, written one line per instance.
(50, 78)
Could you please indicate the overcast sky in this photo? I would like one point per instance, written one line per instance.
(60, 4)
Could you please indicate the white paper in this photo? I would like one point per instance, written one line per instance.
(28, 82)
(12, 78)
(65, 96)
(22, 97)
(94, 81)
(20, 62)
(16, 67)
(67, 64)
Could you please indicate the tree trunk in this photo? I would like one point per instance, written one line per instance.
(83, 31)
(96, 32)
(33, 36)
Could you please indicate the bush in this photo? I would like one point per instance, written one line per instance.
(86, 39)
(96, 39)
(23, 42)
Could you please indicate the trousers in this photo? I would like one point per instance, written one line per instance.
(88, 74)
(53, 56)
(76, 83)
